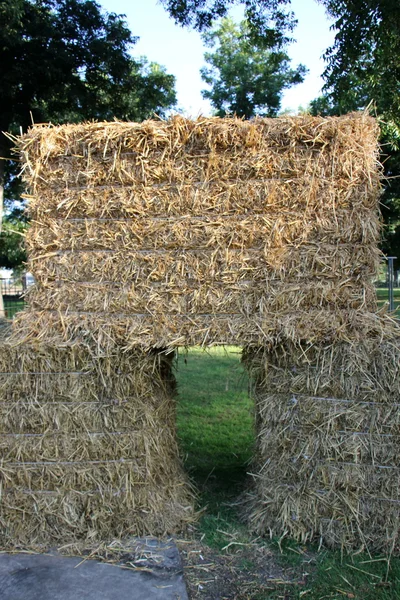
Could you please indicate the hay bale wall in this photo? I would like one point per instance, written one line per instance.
(199, 232)
(216, 231)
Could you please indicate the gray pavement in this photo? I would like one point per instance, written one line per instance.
(154, 573)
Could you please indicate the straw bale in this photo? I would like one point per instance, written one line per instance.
(337, 262)
(339, 520)
(83, 476)
(98, 331)
(201, 231)
(34, 371)
(267, 230)
(80, 445)
(243, 300)
(30, 416)
(213, 149)
(27, 517)
(88, 444)
(198, 199)
(327, 461)
(150, 236)
(364, 370)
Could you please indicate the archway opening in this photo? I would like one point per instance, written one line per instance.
(215, 423)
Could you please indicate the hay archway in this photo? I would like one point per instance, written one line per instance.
(147, 237)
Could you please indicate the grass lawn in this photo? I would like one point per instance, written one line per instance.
(215, 416)
(383, 298)
(11, 307)
(224, 560)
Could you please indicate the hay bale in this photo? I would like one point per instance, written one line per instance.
(151, 236)
(88, 445)
(327, 462)
(201, 232)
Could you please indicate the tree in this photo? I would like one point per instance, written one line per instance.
(12, 249)
(363, 69)
(245, 78)
(390, 201)
(364, 62)
(64, 61)
(270, 21)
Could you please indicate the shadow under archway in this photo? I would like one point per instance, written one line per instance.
(215, 422)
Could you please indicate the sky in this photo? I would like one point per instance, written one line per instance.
(181, 50)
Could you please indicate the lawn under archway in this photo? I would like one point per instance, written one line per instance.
(215, 416)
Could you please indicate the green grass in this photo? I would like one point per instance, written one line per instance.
(360, 577)
(215, 423)
(215, 414)
(12, 307)
(383, 298)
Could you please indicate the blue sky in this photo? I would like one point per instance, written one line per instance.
(181, 50)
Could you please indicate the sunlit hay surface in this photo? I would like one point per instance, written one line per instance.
(199, 232)
(151, 236)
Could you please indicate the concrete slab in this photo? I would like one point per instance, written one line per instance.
(155, 573)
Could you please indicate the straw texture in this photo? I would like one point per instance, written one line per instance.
(88, 446)
(327, 462)
(201, 232)
(147, 237)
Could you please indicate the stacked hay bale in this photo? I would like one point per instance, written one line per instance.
(328, 452)
(201, 232)
(216, 231)
(88, 445)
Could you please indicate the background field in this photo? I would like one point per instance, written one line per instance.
(382, 294)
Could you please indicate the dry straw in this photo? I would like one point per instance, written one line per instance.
(88, 445)
(327, 462)
(200, 232)
(150, 236)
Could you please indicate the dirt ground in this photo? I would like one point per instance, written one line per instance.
(240, 572)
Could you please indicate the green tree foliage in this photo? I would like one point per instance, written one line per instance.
(364, 61)
(363, 70)
(270, 21)
(65, 61)
(390, 202)
(12, 249)
(245, 78)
